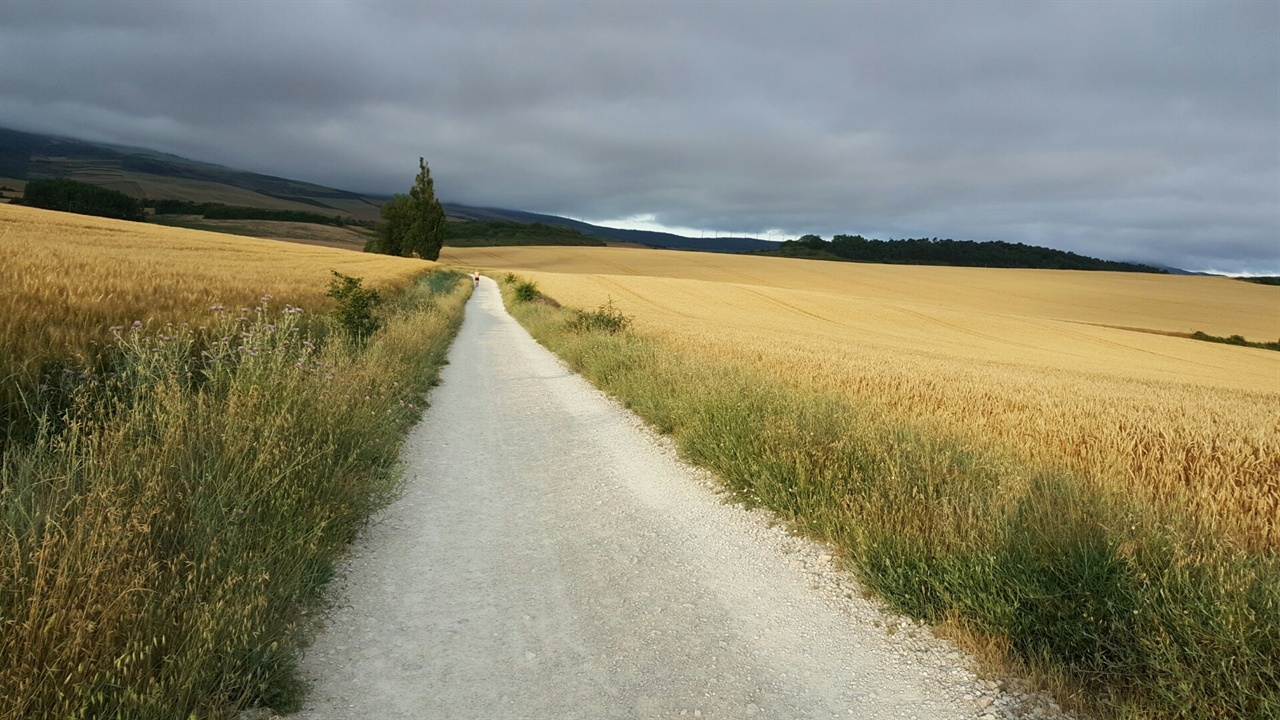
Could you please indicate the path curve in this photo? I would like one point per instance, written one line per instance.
(552, 558)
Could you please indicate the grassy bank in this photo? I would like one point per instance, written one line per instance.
(163, 537)
(1149, 614)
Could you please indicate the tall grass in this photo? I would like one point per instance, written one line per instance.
(162, 539)
(1151, 614)
(68, 278)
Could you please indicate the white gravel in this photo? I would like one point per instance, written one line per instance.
(552, 558)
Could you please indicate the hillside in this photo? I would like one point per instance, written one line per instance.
(651, 238)
(155, 175)
(489, 233)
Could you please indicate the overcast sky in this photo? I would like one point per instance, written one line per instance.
(1125, 130)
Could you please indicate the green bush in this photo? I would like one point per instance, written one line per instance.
(606, 319)
(527, 291)
(355, 306)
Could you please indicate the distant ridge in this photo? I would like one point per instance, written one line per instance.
(651, 238)
(155, 175)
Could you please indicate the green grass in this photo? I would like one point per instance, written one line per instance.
(162, 541)
(1145, 615)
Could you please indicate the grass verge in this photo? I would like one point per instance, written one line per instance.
(1146, 615)
(162, 538)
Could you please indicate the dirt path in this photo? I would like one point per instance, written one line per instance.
(551, 558)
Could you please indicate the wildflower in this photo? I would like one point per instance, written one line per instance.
(137, 324)
(265, 299)
(216, 308)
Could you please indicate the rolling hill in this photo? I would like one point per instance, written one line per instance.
(150, 174)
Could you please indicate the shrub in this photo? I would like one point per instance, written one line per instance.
(355, 306)
(527, 291)
(606, 319)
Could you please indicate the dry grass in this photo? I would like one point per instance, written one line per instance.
(1012, 357)
(168, 511)
(69, 278)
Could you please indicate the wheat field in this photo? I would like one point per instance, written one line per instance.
(1075, 369)
(69, 278)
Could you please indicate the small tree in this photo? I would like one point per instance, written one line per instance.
(412, 224)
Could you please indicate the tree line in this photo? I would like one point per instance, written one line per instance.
(220, 211)
(77, 197)
(965, 253)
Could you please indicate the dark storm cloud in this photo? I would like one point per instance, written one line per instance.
(1144, 131)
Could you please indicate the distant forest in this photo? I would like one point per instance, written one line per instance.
(219, 211)
(483, 233)
(965, 253)
(83, 198)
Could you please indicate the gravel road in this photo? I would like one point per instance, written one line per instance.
(553, 558)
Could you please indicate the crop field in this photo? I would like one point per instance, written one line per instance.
(69, 278)
(345, 238)
(1034, 360)
(1038, 460)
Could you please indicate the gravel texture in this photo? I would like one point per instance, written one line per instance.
(551, 557)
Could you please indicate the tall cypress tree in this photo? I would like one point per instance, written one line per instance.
(412, 224)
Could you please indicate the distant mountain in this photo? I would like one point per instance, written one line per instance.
(640, 237)
(155, 175)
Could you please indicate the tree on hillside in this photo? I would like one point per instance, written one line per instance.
(412, 224)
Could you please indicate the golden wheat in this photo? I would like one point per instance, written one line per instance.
(68, 278)
(1036, 361)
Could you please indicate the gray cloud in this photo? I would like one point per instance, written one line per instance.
(1143, 131)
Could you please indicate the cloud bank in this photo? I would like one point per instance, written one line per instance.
(1129, 131)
